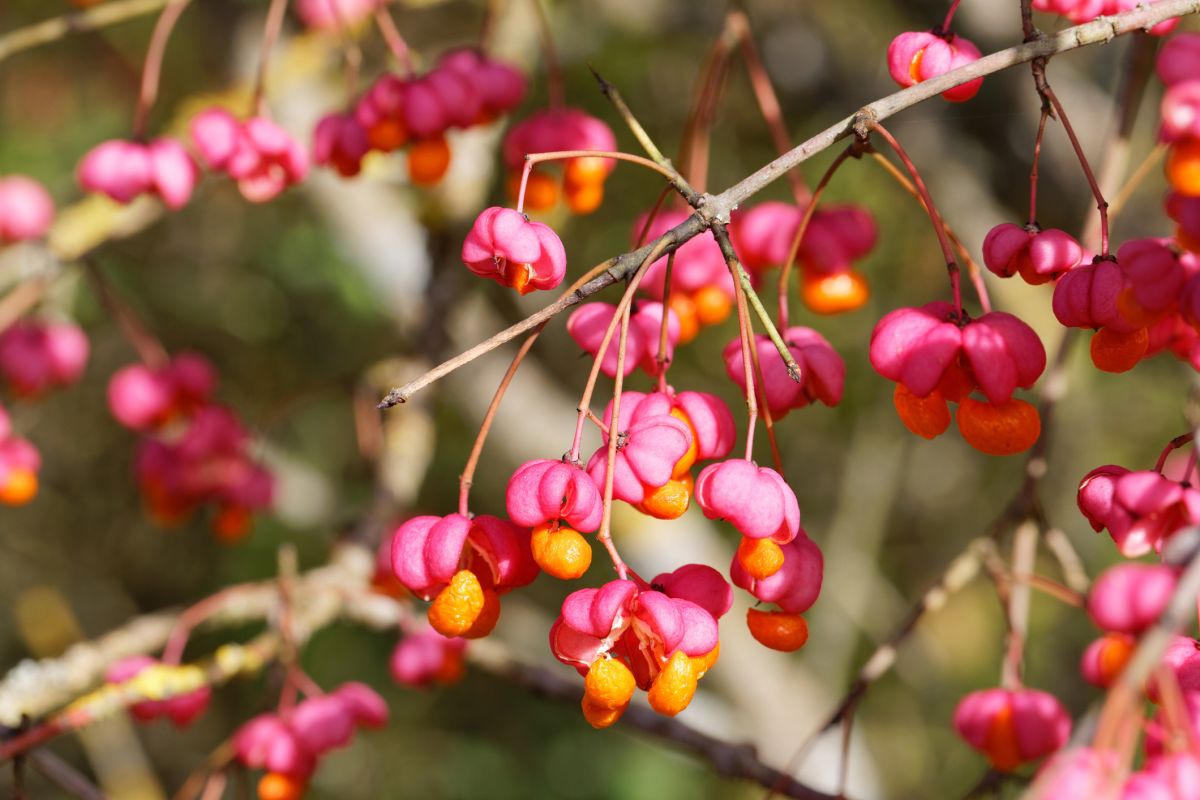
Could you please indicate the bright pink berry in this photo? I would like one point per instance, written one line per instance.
(1171, 775)
(1180, 112)
(125, 169)
(1139, 509)
(366, 707)
(501, 86)
(268, 742)
(1039, 256)
(1012, 726)
(917, 56)
(262, 157)
(1129, 598)
(505, 246)
(36, 356)
(420, 658)
(557, 129)
(755, 500)
(1079, 772)
(650, 443)
(340, 142)
(588, 323)
(822, 371)
(334, 14)
(916, 347)
(140, 397)
(699, 583)
(1154, 275)
(543, 491)
(428, 551)
(796, 585)
(1179, 59)
(638, 625)
(322, 724)
(26, 210)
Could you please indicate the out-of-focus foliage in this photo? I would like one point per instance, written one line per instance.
(292, 317)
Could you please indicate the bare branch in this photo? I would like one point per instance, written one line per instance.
(718, 207)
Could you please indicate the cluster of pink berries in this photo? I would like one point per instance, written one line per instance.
(466, 88)
(257, 153)
(556, 130)
(937, 355)
(26, 209)
(835, 238)
(288, 745)
(35, 357)
(661, 635)
(193, 451)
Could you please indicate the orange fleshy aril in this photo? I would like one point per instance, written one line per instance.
(835, 294)
(464, 608)
(1114, 655)
(674, 687)
(585, 170)
(387, 135)
(1001, 747)
(600, 716)
(689, 321)
(914, 66)
(762, 558)
(777, 630)
(1134, 312)
(927, 417)
(583, 198)
(232, 523)
(428, 161)
(1119, 352)
(999, 429)
(712, 305)
(670, 500)
(278, 786)
(702, 664)
(1183, 167)
(20, 487)
(541, 190)
(561, 552)
(609, 683)
(684, 464)
(518, 276)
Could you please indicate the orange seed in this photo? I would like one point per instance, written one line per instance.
(777, 630)
(561, 552)
(999, 429)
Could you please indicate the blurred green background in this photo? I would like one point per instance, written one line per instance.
(295, 301)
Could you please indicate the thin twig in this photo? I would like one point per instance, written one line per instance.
(54, 29)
